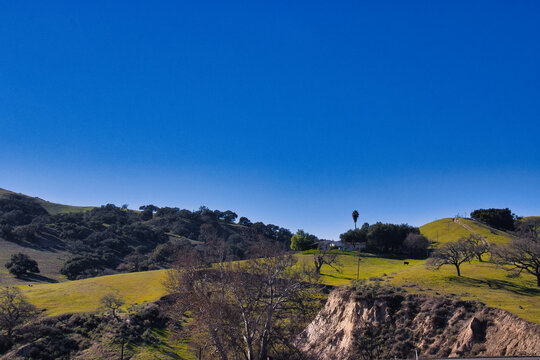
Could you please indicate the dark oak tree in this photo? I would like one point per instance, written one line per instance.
(20, 264)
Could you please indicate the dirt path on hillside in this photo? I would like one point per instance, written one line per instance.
(470, 229)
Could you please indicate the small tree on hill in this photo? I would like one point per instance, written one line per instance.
(21, 264)
(112, 303)
(452, 253)
(328, 257)
(14, 310)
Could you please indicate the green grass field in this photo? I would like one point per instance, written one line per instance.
(480, 281)
(84, 295)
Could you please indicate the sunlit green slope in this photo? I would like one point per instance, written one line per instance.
(451, 229)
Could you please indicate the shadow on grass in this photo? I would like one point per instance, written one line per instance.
(496, 284)
(340, 277)
(37, 278)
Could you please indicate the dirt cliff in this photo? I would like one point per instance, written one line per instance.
(375, 322)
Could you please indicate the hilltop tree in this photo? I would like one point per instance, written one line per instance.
(452, 253)
(355, 217)
(244, 221)
(228, 216)
(21, 264)
(302, 241)
(148, 211)
(502, 219)
(521, 255)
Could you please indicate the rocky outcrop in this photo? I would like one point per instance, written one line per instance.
(352, 321)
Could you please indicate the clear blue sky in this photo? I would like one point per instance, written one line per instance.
(288, 112)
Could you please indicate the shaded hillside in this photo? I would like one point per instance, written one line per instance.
(52, 208)
(367, 321)
(451, 229)
(50, 262)
(110, 239)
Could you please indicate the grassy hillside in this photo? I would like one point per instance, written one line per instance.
(84, 295)
(50, 262)
(480, 281)
(52, 208)
(448, 229)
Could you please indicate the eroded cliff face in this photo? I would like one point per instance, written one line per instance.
(403, 323)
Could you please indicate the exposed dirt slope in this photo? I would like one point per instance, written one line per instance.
(436, 327)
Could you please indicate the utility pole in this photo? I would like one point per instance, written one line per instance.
(358, 265)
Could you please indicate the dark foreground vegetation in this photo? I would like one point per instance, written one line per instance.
(245, 310)
(27, 335)
(233, 310)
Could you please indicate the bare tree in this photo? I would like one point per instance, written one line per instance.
(112, 303)
(452, 253)
(529, 227)
(328, 257)
(241, 309)
(521, 255)
(479, 246)
(14, 309)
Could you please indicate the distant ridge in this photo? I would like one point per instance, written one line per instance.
(52, 208)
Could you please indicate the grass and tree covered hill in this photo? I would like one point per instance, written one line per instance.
(50, 207)
(109, 240)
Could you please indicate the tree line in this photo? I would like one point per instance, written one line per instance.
(110, 238)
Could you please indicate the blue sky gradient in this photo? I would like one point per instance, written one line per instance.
(292, 113)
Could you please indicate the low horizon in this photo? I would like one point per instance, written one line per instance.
(293, 229)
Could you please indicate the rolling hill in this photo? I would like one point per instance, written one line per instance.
(52, 208)
(451, 229)
(52, 292)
